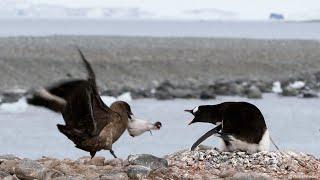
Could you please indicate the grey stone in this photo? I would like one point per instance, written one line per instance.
(204, 147)
(138, 172)
(114, 162)
(237, 89)
(14, 177)
(162, 95)
(182, 93)
(162, 92)
(3, 174)
(166, 90)
(165, 86)
(288, 91)
(207, 95)
(51, 174)
(141, 93)
(29, 169)
(264, 87)
(10, 97)
(148, 160)
(227, 174)
(220, 88)
(111, 92)
(302, 177)
(8, 157)
(254, 92)
(98, 161)
(250, 176)
(69, 178)
(84, 159)
(9, 166)
(309, 94)
(115, 175)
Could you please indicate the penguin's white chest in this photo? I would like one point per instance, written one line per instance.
(239, 145)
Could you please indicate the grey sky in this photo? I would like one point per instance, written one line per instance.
(244, 9)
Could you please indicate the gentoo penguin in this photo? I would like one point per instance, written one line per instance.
(89, 123)
(240, 125)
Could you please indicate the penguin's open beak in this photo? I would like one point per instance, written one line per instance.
(191, 122)
(189, 111)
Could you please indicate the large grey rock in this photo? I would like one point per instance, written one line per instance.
(163, 95)
(302, 177)
(163, 90)
(237, 89)
(83, 159)
(29, 169)
(148, 160)
(221, 88)
(289, 91)
(9, 166)
(166, 90)
(138, 172)
(114, 162)
(309, 94)
(254, 92)
(4, 158)
(165, 86)
(264, 87)
(250, 176)
(97, 161)
(8, 157)
(11, 96)
(207, 95)
(3, 174)
(204, 147)
(182, 93)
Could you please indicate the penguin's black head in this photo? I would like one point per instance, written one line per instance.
(205, 113)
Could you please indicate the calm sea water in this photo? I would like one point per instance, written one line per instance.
(226, 29)
(31, 132)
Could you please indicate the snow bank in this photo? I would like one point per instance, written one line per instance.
(108, 100)
(16, 107)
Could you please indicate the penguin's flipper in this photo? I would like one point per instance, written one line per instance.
(225, 136)
(206, 135)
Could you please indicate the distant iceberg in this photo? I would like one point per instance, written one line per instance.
(276, 16)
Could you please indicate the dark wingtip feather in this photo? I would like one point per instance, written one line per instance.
(91, 75)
